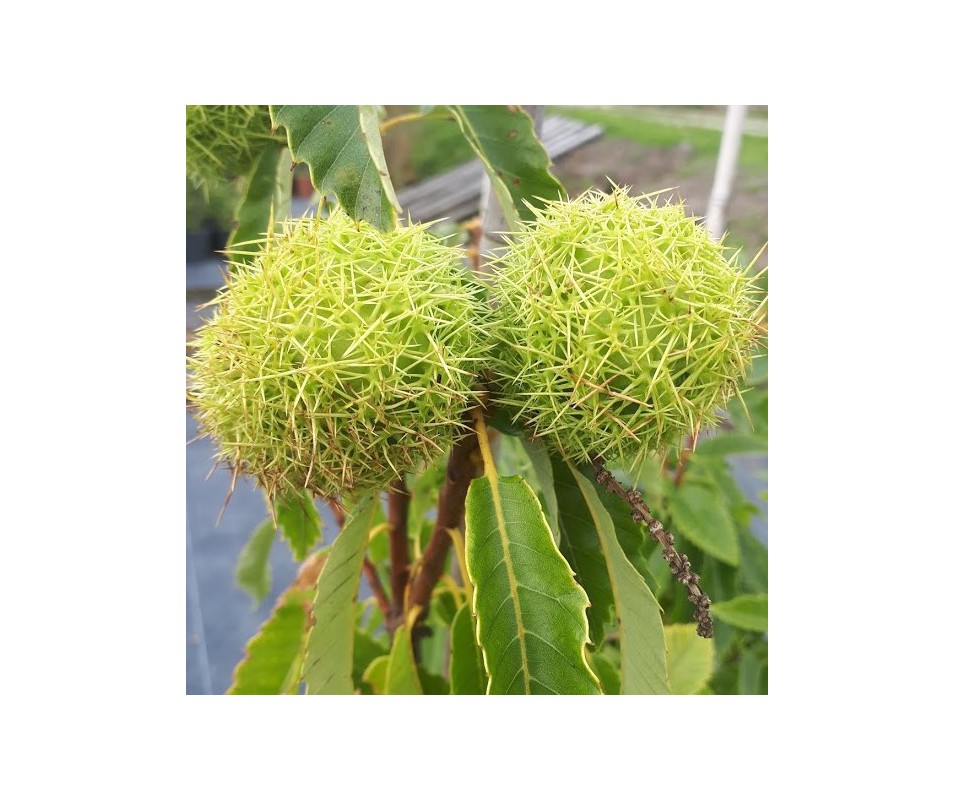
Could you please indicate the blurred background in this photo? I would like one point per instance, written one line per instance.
(646, 148)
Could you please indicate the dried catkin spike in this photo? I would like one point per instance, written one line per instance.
(222, 141)
(620, 326)
(341, 357)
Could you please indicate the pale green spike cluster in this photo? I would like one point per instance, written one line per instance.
(620, 326)
(341, 357)
(222, 141)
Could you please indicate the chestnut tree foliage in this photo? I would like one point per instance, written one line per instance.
(530, 458)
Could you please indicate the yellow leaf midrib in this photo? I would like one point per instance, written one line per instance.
(493, 481)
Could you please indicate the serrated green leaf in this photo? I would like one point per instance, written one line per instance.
(699, 513)
(467, 674)
(266, 197)
(543, 471)
(402, 677)
(252, 573)
(330, 654)
(530, 612)
(516, 162)
(273, 655)
(727, 444)
(747, 611)
(690, 659)
(581, 547)
(299, 521)
(342, 147)
(641, 640)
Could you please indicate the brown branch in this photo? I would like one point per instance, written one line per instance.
(376, 588)
(399, 501)
(463, 465)
(337, 510)
(678, 564)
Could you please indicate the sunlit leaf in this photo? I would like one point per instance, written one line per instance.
(690, 659)
(531, 623)
(699, 513)
(273, 655)
(747, 611)
(641, 640)
(329, 657)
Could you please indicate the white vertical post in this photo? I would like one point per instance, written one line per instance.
(725, 170)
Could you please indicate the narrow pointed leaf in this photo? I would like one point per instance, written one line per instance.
(342, 147)
(516, 162)
(747, 611)
(690, 658)
(273, 655)
(266, 197)
(642, 642)
(330, 654)
(581, 547)
(531, 621)
(402, 677)
(467, 674)
(376, 674)
(299, 521)
(753, 563)
(252, 573)
(543, 471)
(700, 514)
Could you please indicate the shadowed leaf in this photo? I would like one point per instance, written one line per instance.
(467, 674)
(582, 549)
(252, 573)
(516, 162)
(342, 147)
(267, 196)
(402, 677)
(299, 521)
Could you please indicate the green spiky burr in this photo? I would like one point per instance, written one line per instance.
(621, 326)
(223, 141)
(340, 358)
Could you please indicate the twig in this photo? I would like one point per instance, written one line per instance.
(376, 588)
(687, 450)
(337, 510)
(463, 465)
(399, 501)
(678, 564)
